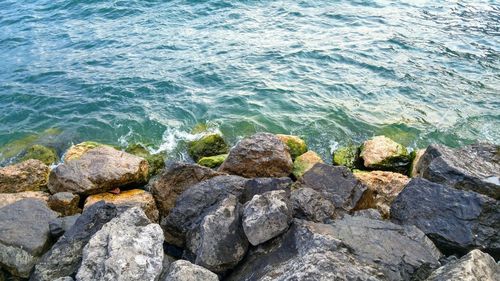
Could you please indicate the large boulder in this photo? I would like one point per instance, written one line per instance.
(309, 204)
(64, 258)
(24, 235)
(261, 155)
(348, 156)
(128, 248)
(474, 167)
(207, 145)
(9, 198)
(305, 162)
(296, 145)
(456, 220)
(98, 170)
(183, 270)
(30, 175)
(382, 153)
(39, 152)
(65, 203)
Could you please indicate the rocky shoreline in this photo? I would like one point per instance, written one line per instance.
(267, 208)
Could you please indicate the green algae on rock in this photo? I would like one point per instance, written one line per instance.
(212, 161)
(207, 145)
(77, 150)
(156, 161)
(347, 156)
(382, 153)
(305, 162)
(39, 152)
(16, 147)
(296, 145)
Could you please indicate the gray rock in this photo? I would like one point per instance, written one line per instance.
(64, 258)
(266, 216)
(368, 213)
(476, 265)
(66, 278)
(24, 235)
(183, 270)
(456, 220)
(309, 204)
(167, 263)
(59, 226)
(129, 247)
(260, 185)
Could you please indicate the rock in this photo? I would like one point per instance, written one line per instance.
(207, 145)
(266, 216)
(304, 163)
(9, 198)
(127, 199)
(66, 278)
(261, 155)
(183, 270)
(335, 183)
(373, 214)
(382, 189)
(129, 247)
(456, 220)
(166, 265)
(24, 235)
(296, 145)
(474, 167)
(348, 156)
(59, 226)
(382, 153)
(64, 258)
(256, 186)
(156, 161)
(77, 150)
(309, 204)
(476, 265)
(174, 180)
(30, 175)
(65, 203)
(416, 156)
(98, 170)
(212, 161)
(39, 152)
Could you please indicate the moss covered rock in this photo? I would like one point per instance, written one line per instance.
(39, 152)
(382, 153)
(296, 145)
(305, 162)
(156, 161)
(16, 147)
(212, 161)
(347, 156)
(207, 145)
(77, 150)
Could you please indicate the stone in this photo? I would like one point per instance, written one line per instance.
(207, 145)
(382, 189)
(266, 216)
(166, 265)
(9, 198)
(348, 156)
(127, 199)
(129, 247)
(156, 161)
(65, 203)
(174, 180)
(305, 162)
(59, 226)
(183, 270)
(65, 278)
(382, 153)
(296, 145)
(39, 152)
(64, 258)
(98, 170)
(416, 155)
(261, 155)
(473, 167)
(77, 150)
(456, 220)
(256, 186)
(309, 204)
(476, 265)
(373, 214)
(212, 161)
(30, 175)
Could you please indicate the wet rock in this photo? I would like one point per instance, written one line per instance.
(65, 203)
(348, 156)
(183, 270)
(456, 220)
(174, 180)
(64, 258)
(266, 216)
(309, 204)
(416, 156)
(59, 226)
(77, 150)
(39, 152)
(382, 153)
(207, 145)
(305, 162)
(129, 247)
(30, 175)
(24, 235)
(382, 189)
(98, 170)
(261, 155)
(256, 186)
(296, 145)
(156, 161)
(128, 199)
(9, 198)
(212, 161)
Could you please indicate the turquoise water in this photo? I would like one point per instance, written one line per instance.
(334, 72)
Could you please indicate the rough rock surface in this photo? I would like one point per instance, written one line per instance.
(266, 216)
(475, 266)
(348, 156)
(77, 150)
(256, 186)
(65, 203)
(296, 145)
(212, 161)
(59, 226)
(9, 198)
(129, 247)
(39, 152)
(30, 175)
(64, 258)
(24, 235)
(305, 162)
(382, 153)
(368, 213)
(310, 205)
(183, 270)
(456, 220)
(156, 161)
(382, 189)
(127, 199)
(207, 145)
(474, 167)
(98, 170)
(261, 155)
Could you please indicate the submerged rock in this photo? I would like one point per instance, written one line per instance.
(39, 152)
(348, 156)
(212, 161)
(382, 153)
(65, 203)
(296, 145)
(261, 155)
(207, 145)
(309, 204)
(156, 161)
(9, 198)
(305, 162)
(30, 175)
(183, 270)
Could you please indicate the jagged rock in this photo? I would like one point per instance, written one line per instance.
(39, 152)
(76, 151)
(9, 198)
(212, 161)
(416, 156)
(129, 247)
(373, 214)
(296, 145)
(24, 235)
(207, 145)
(183, 270)
(261, 155)
(64, 258)
(174, 180)
(456, 220)
(65, 203)
(127, 199)
(98, 170)
(256, 186)
(474, 167)
(382, 153)
(382, 189)
(348, 156)
(166, 265)
(476, 265)
(310, 205)
(156, 161)
(305, 162)
(335, 183)
(59, 226)
(30, 175)
(266, 216)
